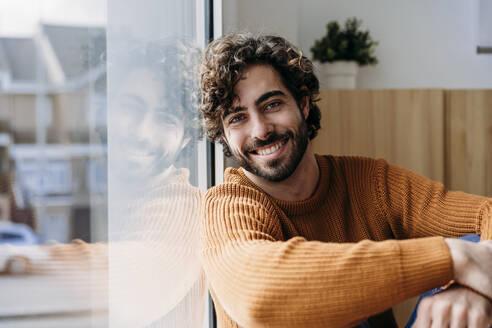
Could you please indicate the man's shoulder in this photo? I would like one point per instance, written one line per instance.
(353, 170)
(235, 184)
(237, 188)
(233, 175)
(348, 161)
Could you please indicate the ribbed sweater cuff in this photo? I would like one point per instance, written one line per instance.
(425, 264)
(485, 221)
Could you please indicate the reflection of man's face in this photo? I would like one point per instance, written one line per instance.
(150, 132)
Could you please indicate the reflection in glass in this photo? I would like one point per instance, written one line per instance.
(134, 262)
(53, 175)
(154, 275)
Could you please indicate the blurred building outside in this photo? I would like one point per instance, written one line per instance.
(53, 166)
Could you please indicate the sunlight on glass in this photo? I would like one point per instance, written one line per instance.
(54, 167)
(155, 276)
(155, 273)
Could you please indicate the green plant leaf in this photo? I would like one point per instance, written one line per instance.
(349, 43)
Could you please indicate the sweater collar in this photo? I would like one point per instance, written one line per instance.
(292, 208)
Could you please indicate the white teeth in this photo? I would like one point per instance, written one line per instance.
(270, 150)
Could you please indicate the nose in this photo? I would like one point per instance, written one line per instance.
(261, 127)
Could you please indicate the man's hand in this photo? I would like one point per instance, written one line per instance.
(472, 264)
(454, 307)
(22, 259)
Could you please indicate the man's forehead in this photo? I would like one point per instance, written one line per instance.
(256, 80)
(257, 72)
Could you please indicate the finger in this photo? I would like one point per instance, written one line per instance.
(421, 322)
(438, 324)
(458, 317)
(476, 319)
(480, 316)
(440, 315)
(423, 319)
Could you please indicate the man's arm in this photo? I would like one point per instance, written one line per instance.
(260, 279)
(419, 207)
(149, 266)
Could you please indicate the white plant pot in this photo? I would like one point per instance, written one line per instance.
(340, 74)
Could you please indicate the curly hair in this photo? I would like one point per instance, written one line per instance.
(226, 58)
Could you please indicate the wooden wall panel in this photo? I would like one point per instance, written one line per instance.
(406, 127)
(469, 141)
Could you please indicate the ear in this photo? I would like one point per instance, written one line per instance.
(305, 104)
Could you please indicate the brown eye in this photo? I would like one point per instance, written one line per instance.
(236, 119)
(272, 105)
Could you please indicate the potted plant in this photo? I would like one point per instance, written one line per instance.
(342, 51)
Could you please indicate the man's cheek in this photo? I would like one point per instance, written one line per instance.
(233, 145)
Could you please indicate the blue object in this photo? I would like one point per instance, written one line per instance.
(472, 238)
(17, 234)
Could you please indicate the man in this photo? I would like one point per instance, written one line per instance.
(294, 239)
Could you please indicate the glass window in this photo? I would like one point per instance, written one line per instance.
(154, 200)
(102, 164)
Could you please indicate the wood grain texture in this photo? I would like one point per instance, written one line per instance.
(469, 141)
(405, 127)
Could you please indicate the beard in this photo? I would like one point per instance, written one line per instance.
(277, 169)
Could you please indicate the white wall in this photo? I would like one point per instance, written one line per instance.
(262, 16)
(485, 28)
(423, 43)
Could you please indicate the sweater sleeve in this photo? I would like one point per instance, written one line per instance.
(148, 272)
(418, 207)
(261, 280)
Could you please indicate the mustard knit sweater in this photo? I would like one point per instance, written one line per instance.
(332, 260)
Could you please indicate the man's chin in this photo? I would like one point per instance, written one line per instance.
(272, 170)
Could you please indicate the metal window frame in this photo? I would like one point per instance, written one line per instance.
(214, 153)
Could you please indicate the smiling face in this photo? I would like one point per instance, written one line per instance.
(265, 129)
(150, 132)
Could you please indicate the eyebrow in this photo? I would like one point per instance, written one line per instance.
(267, 95)
(258, 101)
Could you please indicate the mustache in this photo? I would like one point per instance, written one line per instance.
(258, 143)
